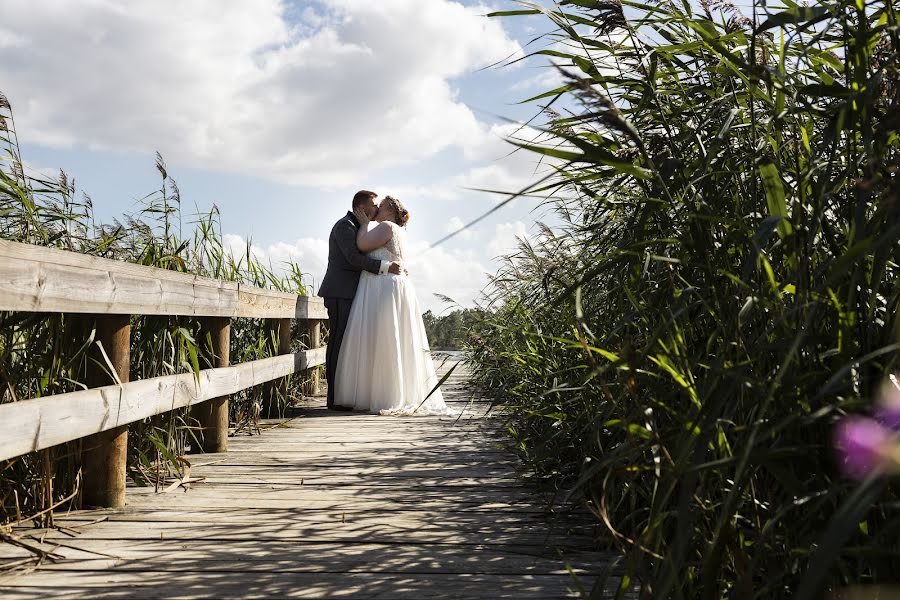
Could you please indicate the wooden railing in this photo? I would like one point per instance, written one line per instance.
(107, 293)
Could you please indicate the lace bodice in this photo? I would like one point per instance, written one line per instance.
(395, 249)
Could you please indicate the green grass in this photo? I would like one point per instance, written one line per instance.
(724, 287)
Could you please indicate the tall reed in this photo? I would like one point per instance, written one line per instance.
(724, 287)
(44, 354)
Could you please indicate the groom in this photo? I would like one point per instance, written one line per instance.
(345, 264)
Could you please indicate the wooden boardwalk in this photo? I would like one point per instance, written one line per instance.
(327, 505)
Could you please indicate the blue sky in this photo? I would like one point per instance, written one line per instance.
(278, 111)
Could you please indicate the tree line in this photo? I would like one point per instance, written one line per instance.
(451, 331)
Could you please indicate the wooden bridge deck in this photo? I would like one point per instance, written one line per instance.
(328, 505)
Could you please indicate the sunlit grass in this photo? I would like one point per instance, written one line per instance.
(724, 286)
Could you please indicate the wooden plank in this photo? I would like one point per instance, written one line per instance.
(44, 422)
(325, 557)
(39, 279)
(330, 505)
(505, 537)
(373, 559)
(200, 584)
(344, 472)
(313, 340)
(493, 465)
(339, 504)
(312, 515)
(271, 304)
(212, 415)
(266, 306)
(104, 456)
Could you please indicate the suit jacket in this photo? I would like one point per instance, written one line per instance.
(345, 261)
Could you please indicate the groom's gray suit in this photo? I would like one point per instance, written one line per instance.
(345, 264)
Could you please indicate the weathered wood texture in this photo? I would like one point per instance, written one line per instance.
(38, 279)
(330, 505)
(212, 415)
(40, 423)
(312, 339)
(105, 454)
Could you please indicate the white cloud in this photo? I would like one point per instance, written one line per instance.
(311, 254)
(492, 163)
(352, 87)
(458, 274)
(508, 169)
(455, 224)
(492, 144)
(507, 238)
(548, 79)
(41, 172)
(10, 39)
(498, 178)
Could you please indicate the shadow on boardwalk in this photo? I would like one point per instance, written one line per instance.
(329, 505)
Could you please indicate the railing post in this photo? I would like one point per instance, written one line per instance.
(314, 333)
(283, 329)
(212, 415)
(105, 454)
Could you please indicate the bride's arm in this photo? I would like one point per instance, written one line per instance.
(367, 241)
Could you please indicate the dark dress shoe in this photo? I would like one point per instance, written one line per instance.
(340, 408)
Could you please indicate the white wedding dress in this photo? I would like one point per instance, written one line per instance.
(385, 363)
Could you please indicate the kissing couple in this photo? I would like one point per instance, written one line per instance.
(378, 359)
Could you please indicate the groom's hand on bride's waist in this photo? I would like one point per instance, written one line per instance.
(397, 269)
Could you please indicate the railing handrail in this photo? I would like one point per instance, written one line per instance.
(39, 279)
(41, 423)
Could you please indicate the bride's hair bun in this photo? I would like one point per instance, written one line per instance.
(399, 209)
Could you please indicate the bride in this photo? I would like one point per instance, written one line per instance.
(385, 362)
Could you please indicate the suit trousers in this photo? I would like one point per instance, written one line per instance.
(338, 315)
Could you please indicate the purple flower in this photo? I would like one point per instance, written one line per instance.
(887, 406)
(862, 445)
(889, 416)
